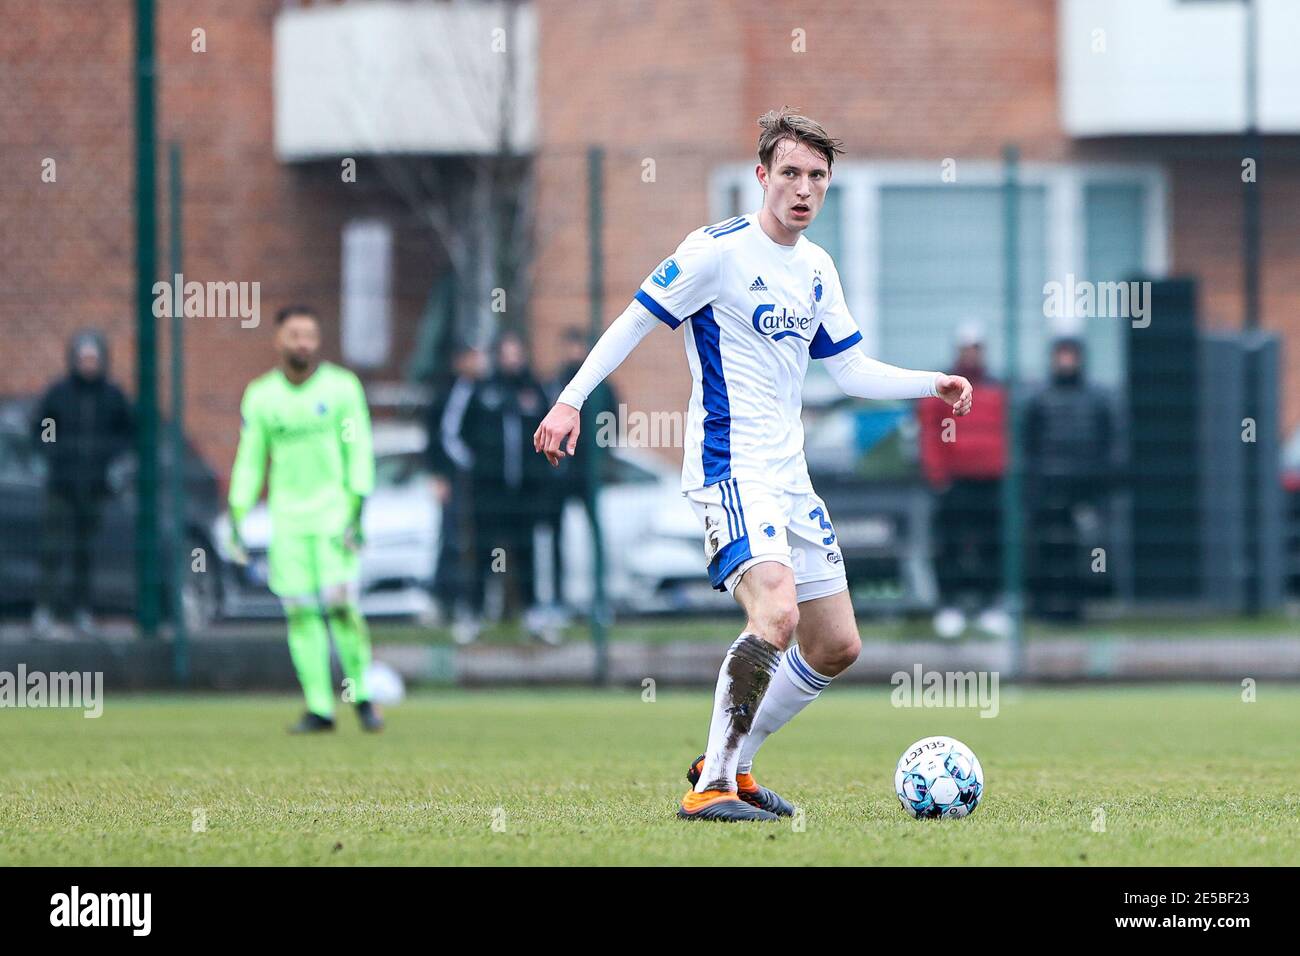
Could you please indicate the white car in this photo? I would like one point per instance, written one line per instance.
(654, 545)
(654, 548)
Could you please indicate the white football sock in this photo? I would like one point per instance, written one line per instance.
(743, 680)
(794, 686)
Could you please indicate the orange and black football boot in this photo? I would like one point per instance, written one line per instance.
(719, 805)
(748, 790)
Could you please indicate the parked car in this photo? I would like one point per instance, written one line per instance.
(22, 495)
(654, 546)
(400, 524)
(862, 461)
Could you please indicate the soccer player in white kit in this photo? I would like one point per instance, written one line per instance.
(755, 301)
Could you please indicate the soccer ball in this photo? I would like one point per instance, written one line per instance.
(939, 777)
(385, 684)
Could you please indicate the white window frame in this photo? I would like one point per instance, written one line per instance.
(1064, 185)
(367, 250)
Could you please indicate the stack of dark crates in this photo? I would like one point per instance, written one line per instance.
(1208, 524)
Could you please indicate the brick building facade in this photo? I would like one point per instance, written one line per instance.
(675, 82)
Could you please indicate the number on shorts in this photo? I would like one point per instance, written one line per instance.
(826, 525)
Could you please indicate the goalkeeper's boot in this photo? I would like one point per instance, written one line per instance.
(310, 723)
(372, 721)
(748, 790)
(719, 805)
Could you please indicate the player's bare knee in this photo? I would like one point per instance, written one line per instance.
(831, 652)
(841, 654)
(777, 622)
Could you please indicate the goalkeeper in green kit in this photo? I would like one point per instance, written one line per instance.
(310, 418)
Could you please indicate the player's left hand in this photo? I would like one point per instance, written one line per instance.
(956, 391)
(353, 536)
(236, 553)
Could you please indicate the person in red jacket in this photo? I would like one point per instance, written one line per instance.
(964, 463)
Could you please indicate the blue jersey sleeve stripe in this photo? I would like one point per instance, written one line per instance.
(723, 225)
(823, 346)
(657, 310)
(736, 228)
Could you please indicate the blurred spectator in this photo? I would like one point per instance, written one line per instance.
(82, 423)
(493, 424)
(449, 463)
(1070, 469)
(964, 461)
(571, 480)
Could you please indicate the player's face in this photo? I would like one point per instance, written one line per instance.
(795, 187)
(89, 363)
(510, 356)
(471, 363)
(299, 341)
(1065, 361)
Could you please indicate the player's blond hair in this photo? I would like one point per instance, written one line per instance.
(787, 124)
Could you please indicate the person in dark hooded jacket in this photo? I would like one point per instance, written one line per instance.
(1071, 465)
(82, 423)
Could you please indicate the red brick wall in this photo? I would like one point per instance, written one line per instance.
(67, 255)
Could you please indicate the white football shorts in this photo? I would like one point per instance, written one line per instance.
(746, 523)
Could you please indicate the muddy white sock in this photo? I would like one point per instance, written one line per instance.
(742, 681)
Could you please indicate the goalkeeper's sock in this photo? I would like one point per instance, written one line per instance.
(309, 647)
(352, 639)
(742, 681)
(795, 685)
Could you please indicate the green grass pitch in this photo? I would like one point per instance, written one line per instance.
(1176, 774)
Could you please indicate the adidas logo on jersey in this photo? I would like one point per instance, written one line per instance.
(758, 286)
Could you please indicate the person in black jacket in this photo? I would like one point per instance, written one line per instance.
(1070, 466)
(493, 433)
(82, 423)
(448, 462)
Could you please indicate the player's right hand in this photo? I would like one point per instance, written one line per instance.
(557, 435)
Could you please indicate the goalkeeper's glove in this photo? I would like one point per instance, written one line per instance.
(235, 550)
(354, 536)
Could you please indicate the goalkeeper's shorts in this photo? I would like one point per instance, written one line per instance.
(300, 564)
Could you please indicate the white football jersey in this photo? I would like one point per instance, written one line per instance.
(754, 312)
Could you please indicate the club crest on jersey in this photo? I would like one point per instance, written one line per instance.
(778, 325)
(817, 287)
(320, 408)
(666, 274)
